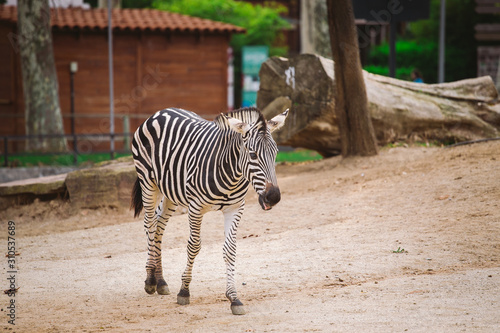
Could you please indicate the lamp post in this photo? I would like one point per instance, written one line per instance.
(442, 25)
(73, 68)
(392, 47)
(111, 94)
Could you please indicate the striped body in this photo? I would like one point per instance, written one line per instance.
(187, 157)
(184, 160)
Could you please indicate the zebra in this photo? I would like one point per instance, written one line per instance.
(184, 160)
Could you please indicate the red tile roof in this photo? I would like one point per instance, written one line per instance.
(125, 19)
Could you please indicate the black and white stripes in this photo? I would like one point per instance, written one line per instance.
(184, 160)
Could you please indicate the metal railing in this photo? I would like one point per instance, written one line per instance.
(75, 138)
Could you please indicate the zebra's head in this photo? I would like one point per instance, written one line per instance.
(258, 154)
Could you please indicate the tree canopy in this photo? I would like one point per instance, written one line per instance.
(263, 24)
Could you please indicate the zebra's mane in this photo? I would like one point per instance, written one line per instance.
(248, 115)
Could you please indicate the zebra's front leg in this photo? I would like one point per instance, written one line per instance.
(193, 248)
(232, 216)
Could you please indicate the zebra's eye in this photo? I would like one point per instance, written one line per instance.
(253, 155)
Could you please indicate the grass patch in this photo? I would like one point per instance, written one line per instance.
(299, 155)
(29, 160)
(57, 160)
(400, 250)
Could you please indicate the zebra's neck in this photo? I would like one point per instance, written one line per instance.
(235, 164)
(230, 147)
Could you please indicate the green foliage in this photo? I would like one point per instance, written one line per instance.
(418, 48)
(263, 24)
(407, 52)
(409, 55)
(460, 53)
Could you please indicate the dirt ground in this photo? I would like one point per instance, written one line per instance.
(408, 240)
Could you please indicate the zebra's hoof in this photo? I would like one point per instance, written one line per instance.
(162, 288)
(237, 308)
(181, 300)
(150, 289)
(150, 284)
(183, 297)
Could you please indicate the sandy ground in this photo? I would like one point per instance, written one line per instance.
(323, 260)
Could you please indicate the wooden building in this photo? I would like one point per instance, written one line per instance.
(160, 59)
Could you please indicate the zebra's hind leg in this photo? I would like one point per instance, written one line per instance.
(150, 196)
(194, 245)
(232, 217)
(164, 211)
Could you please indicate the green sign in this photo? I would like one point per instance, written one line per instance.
(253, 57)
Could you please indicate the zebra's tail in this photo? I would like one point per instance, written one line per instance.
(136, 203)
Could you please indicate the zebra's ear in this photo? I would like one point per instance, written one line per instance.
(237, 125)
(278, 121)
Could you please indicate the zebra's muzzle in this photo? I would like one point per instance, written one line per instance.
(270, 197)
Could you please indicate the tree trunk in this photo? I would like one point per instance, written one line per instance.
(356, 130)
(40, 87)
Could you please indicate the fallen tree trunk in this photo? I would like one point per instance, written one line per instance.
(400, 110)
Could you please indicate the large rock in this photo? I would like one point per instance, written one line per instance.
(27, 190)
(400, 110)
(108, 185)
